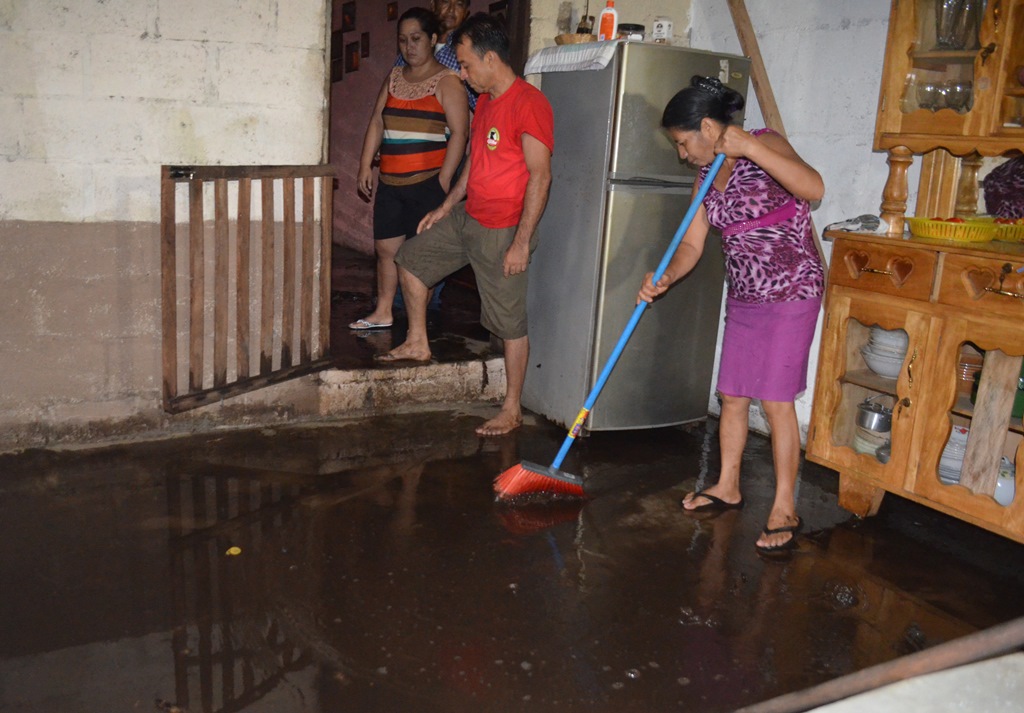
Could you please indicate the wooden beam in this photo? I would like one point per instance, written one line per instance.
(758, 73)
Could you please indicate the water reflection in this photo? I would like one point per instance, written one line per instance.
(382, 579)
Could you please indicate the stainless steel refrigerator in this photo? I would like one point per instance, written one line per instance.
(618, 194)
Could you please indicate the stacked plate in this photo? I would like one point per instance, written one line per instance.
(952, 460)
(867, 441)
(970, 364)
(885, 351)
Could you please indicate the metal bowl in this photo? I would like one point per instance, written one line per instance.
(874, 417)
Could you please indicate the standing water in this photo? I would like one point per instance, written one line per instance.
(366, 566)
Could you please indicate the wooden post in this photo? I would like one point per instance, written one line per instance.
(894, 195)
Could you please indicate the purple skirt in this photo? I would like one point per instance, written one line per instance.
(765, 348)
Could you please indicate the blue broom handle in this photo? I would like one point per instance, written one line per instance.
(639, 311)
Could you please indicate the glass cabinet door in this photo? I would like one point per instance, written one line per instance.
(870, 387)
(952, 70)
(1010, 112)
(946, 44)
(975, 451)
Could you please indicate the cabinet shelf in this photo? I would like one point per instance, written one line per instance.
(870, 380)
(938, 59)
(964, 407)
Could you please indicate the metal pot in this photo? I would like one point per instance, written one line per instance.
(874, 417)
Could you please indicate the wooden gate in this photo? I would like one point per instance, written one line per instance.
(253, 306)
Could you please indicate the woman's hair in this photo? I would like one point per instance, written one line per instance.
(428, 20)
(487, 33)
(705, 97)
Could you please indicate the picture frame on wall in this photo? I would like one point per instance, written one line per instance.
(352, 50)
(364, 44)
(392, 12)
(348, 16)
(337, 56)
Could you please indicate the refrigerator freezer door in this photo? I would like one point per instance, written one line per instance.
(650, 75)
(664, 374)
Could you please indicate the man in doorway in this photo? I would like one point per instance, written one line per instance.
(506, 189)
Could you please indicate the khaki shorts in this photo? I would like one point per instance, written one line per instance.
(459, 240)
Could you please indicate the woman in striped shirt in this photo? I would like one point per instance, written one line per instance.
(419, 128)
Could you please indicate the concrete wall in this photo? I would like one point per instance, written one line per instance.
(94, 97)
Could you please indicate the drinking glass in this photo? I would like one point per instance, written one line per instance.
(928, 96)
(959, 95)
(956, 23)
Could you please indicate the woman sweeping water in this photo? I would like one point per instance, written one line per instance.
(759, 200)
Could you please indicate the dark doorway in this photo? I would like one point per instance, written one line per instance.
(368, 29)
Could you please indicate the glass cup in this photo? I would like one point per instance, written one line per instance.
(958, 95)
(928, 96)
(956, 23)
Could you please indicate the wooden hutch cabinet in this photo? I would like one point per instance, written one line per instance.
(953, 91)
(946, 297)
(952, 81)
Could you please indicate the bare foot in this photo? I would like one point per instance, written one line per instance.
(693, 501)
(406, 352)
(788, 524)
(504, 422)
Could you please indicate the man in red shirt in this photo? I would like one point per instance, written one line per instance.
(506, 188)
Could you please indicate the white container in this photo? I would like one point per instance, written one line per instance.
(662, 30)
(608, 23)
(1005, 485)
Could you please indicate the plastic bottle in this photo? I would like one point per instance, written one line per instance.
(608, 23)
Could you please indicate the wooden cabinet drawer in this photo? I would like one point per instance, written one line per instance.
(990, 285)
(888, 269)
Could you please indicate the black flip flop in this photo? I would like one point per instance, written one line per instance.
(714, 504)
(788, 544)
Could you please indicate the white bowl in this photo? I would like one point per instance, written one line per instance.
(891, 337)
(886, 350)
(888, 367)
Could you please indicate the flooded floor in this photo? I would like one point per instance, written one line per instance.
(366, 567)
(453, 321)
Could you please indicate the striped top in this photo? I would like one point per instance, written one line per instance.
(415, 130)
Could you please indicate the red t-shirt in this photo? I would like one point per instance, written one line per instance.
(497, 167)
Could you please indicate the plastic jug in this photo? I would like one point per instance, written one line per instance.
(608, 22)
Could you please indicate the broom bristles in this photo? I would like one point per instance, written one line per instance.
(527, 478)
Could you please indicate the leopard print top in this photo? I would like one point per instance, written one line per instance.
(775, 263)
